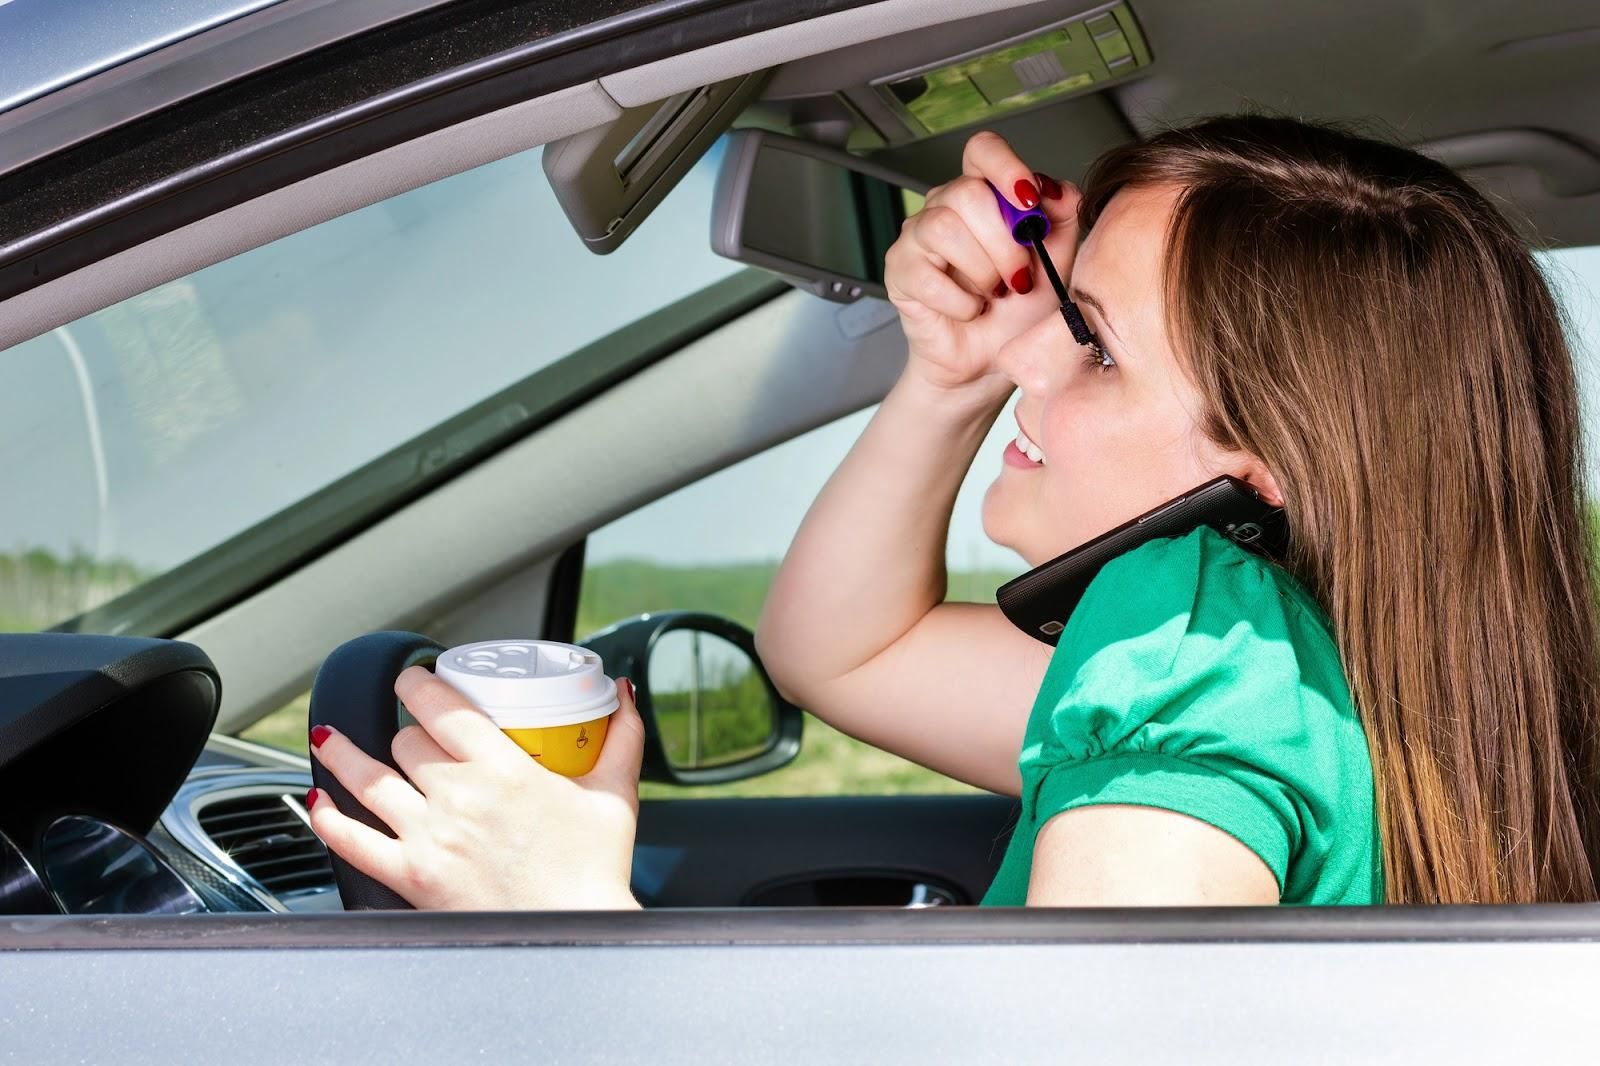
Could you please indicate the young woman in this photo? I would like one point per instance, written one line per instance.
(1405, 710)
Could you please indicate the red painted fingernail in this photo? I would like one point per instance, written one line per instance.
(1022, 281)
(629, 683)
(1000, 289)
(319, 733)
(311, 799)
(1051, 187)
(1026, 194)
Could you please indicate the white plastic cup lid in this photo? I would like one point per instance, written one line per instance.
(530, 684)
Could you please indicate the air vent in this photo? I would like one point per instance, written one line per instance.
(269, 840)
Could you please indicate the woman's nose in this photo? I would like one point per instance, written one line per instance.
(1035, 359)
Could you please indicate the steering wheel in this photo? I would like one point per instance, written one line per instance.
(354, 693)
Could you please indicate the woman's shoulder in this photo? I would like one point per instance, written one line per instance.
(1197, 676)
(1186, 589)
(1194, 641)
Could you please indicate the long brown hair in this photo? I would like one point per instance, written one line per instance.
(1363, 320)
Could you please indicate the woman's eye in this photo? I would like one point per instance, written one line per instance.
(1098, 357)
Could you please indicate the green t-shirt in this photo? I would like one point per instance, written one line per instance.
(1198, 677)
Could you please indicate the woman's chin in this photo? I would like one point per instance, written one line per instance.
(994, 516)
(1001, 532)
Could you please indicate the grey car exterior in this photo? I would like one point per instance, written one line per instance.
(692, 984)
(49, 46)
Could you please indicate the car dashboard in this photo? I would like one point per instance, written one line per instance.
(241, 830)
(234, 838)
(116, 798)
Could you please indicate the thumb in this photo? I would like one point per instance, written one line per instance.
(623, 752)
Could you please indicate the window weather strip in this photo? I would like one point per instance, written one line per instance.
(336, 105)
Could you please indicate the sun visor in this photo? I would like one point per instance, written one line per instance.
(609, 179)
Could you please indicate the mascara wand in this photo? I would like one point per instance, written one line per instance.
(1029, 229)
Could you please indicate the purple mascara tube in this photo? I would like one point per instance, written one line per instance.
(1027, 227)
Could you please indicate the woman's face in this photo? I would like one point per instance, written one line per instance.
(1116, 441)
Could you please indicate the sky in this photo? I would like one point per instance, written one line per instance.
(157, 428)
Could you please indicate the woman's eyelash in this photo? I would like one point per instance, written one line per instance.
(1098, 357)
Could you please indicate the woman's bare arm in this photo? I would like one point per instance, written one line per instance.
(855, 628)
(1120, 855)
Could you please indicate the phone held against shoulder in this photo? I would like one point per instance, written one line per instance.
(1040, 601)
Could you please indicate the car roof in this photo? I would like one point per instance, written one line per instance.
(50, 44)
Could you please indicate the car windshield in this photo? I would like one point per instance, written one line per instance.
(158, 432)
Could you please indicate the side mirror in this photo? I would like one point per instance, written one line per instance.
(820, 216)
(711, 713)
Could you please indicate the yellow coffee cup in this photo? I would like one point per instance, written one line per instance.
(553, 699)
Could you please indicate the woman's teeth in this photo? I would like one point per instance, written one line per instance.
(1028, 448)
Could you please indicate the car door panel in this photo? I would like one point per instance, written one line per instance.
(1451, 984)
(819, 850)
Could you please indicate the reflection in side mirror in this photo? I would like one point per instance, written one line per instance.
(711, 714)
(820, 216)
(710, 704)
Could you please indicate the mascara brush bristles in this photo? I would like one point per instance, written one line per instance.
(1075, 322)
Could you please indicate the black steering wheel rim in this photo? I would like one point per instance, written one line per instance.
(354, 693)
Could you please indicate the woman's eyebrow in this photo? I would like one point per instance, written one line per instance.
(1087, 298)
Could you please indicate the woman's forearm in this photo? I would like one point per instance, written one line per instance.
(868, 560)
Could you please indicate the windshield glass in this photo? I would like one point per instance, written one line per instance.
(148, 434)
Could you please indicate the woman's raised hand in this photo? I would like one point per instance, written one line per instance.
(962, 284)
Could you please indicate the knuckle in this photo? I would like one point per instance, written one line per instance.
(935, 195)
(968, 190)
(424, 875)
(447, 838)
(984, 138)
(942, 225)
(467, 803)
(975, 197)
(895, 254)
(407, 739)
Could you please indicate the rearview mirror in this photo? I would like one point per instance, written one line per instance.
(821, 217)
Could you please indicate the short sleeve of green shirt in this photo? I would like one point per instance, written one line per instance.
(1200, 678)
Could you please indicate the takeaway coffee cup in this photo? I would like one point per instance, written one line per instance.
(551, 698)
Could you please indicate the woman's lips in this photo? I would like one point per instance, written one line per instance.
(1014, 457)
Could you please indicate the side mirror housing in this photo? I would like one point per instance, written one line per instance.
(711, 713)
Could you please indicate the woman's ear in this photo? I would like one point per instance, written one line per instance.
(1257, 476)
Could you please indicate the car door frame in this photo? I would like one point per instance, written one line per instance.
(1400, 984)
(1041, 979)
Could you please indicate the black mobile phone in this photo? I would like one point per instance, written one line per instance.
(1040, 601)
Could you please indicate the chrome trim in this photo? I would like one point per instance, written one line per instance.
(53, 45)
(182, 817)
(925, 895)
(94, 867)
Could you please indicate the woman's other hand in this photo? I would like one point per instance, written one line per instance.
(962, 284)
(481, 825)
